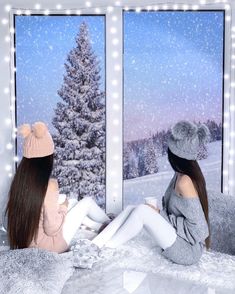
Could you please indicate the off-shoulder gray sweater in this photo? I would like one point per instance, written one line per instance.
(187, 217)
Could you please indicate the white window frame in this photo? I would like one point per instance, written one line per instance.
(113, 11)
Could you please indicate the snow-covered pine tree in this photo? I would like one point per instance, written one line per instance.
(203, 152)
(80, 124)
(126, 163)
(150, 158)
(133, 165)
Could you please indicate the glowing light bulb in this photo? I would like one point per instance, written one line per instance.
(37, 6)
(115, 139)
(16, 158)
(97, 10)
(4, 21)
(113, 30)
(116, 157)
(8, 167)
(9, 146)
(117, 67)
(116, 107)
(115, 41)
(115, 95)
(116, 122)
(110, 9)
(115, 54)
(114, 82)
(230, 162)
(233, 84)
(114, 18)
(6, 58)
(8, 8)
(232, 107)
(7, 39)
(6, 90)
(195, 7)
(185, 7)
(8, 121)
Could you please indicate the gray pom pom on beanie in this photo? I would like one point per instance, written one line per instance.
(186, 138)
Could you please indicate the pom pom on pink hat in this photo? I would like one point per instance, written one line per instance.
(37, 140)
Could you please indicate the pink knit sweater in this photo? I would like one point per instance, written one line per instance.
(50, 235)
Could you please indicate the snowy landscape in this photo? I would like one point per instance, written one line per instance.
(135, 190)
(171, 61)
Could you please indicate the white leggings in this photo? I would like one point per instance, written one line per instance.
(130, 222)
(86, 212)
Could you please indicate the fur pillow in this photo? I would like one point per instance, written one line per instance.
(34, 271)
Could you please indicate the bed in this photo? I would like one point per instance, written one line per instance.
(136, 267)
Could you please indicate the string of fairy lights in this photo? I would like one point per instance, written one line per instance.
(116, 72)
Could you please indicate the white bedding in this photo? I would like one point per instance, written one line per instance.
(138, 268)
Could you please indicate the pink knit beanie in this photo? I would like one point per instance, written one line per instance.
(37, 140)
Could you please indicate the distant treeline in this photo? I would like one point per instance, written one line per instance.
(141, 156)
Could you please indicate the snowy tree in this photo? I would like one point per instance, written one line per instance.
(150, 158)
(203, 152)
(126, 163)
(133, 166)
(80, 124)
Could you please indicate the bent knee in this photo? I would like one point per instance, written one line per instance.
(142, 209)
(87, 200)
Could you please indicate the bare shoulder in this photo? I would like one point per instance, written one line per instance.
(52, 185)
(185, 187)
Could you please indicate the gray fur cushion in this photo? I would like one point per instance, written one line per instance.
(222, 222)
(34, 271)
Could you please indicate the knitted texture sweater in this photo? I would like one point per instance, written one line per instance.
(187, 217)
(50, 233)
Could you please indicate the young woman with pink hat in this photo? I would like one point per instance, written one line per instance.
(35, 217)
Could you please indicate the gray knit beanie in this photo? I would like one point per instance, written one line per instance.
(186, 138)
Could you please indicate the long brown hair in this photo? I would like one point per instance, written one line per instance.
(192, 169)
(26, 196)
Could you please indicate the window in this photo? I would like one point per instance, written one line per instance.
(60, 79)
(173, 70)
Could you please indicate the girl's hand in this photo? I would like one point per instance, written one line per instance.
(153, 207)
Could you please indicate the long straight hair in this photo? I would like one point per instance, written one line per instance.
(26, 196)
(192, 169)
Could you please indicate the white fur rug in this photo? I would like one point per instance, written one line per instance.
(136, 268)
(215, 271)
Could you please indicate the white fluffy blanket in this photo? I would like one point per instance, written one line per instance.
(136, 267)
(140, 257)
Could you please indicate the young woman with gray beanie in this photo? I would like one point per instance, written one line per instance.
(181, 228)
